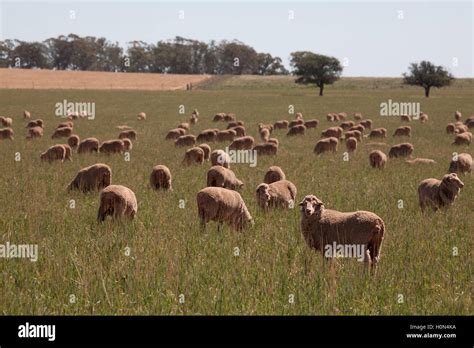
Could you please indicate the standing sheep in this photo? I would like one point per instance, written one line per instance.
(226, 135)
(351, 144)
(243, 143)
(439, 193)
(175, 133)
(366, 123)
(378, 133)
(141, 116)
(377, 159)
(283, 124)
(326, 145)
(220, 158)
(311, 123)
(127, 144)
(207, 135)
(94, 177)
(296, 130)
(6, 133)
(281, 194)
(160, 178)
(112, 146)
(335, 132)
(34, 133)
(273, 174)
(73, 141)
(26, 114)
(129, 134)
(269, 149)
(402, 131)
(63, 132)
(463, 139)
(401, 150)
(6, 121)
(185, 140)
(462, 163)
(207, 151)
(194, 155)
(54, 153)
(264, 134)
(117, 201)
(88, 145)
(218, 176)
(457, 116)
(450, 128)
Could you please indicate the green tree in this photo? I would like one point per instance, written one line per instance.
(427, 75)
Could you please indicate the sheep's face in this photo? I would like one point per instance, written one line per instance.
(452, 180)
(263, 193)
(310, 205)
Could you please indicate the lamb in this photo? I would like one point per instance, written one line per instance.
(405, 118)
(461, 163)
(127, 144)
(326, 145)
(296, 130)
(94, 177)
(311, 123)
(280, 194)
(322, 227)
(207, 151)
(242, 143)
(34, 133)
(160, 178)
(270, 149)
(218, 176)
(335, 132)
(239, 130)
(6, 121)
(283, 124)
(175, 133)
(450, 128)
(64, 132)
(402, 131)
(273, 174)
(346, 125)
(295, 123)
(264, 134)
(207, 135)
(463, 139)
(35, 123)
(73, 141)
(6, 133)
(353, 134)
(141, 116)
(185, 140)
(377, 159)
(220, 158)
(129, 134)
(112, 146)
(457, 116)
(194, 155)
(439, 193)
(54, 153)
(26, 114)
(223, 205)
(351, 144)
(88, 145)
(117, 201)
(366, 123)
(378, 133)
(421, 161)
(401, 150)
(226, 135)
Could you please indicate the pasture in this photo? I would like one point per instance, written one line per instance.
(162, 263)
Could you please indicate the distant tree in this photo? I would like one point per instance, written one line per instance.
(269, 65)
(312, 68)
(427, 75)
(236, 58)
(140, 56)
(29, 55)
(6, 49)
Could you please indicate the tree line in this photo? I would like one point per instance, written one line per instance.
(175, 56)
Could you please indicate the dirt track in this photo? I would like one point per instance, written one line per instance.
(50, 79)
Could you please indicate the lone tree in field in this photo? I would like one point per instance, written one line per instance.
(427, 75)
(312, 68)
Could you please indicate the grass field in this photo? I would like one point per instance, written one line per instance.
(168, 254)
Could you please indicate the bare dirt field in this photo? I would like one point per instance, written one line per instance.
(50, 79)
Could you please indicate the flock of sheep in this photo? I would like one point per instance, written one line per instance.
(220, 201)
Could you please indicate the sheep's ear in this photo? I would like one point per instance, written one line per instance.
(301, 203)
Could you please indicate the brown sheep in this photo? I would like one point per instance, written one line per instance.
(353, 134)
(73, 141)
(295, 123)
(470, 124)
(405, 118)
(357, 127)
(218, 117)
(127, 144)
(439, 193)
(326, 145)
(463, 139)
(242, 143)
(298, 116)
(69, 124)
(68, 155)
(322, 227)
(35, 123)
(233, 124)
(193, 119)
(207, 135)
(207, 151)
(330, 117)
(220, 158)
(6, 121)
(342, 116)
(357, 116)
(129, 134)
(468, 120)
(401, 150)
(335, 132)
(402, 131)
(6, 133)
(279, 194)
(264, 134)
(218, 176)
(88, 145)
(283, 124)
(141, 116)
(424, 117)
(274, 141)
(222, 205)
(450, 128)
(351, 144)
(346, 125)
(94, 177)
(34, 132)
(377, 159)
(269, 149)
(26, 114)
(112, 146)
(296, 130)
(230, 116)
(160, 178)
(117, 201)
(226, 135)
(194, 155)
(54, 153)
(239, 130)
(265, 126)
(64, 132)
(460, 128)
(185, 140)
(378, 133)
(421, 161)
(311, 123)
(461, 163)
(457, 116)
(175, 133)
(273, 174)
(366, 123)
(184, 125)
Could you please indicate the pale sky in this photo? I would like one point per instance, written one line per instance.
(370, 38)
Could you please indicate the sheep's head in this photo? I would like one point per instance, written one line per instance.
(263, 193)
(311, 205)
(239, 185)
(452, 182)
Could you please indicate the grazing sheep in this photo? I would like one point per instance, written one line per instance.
(295, 123)
(185, 140)
(117, 201)
(94, 177)
(439, 193)
(366, 123)
(322, 227)
(239, 130)
(88, 145)
(279, 194)
(34, 132)
(342, 116)
(462, 163)
(35, 123)
(264, 134)
(69, 124)
(68, 155)
(233, 124)
(424, 117)
(405, 118)
(346, 125)
(54, 153)
(330, 117)
(270, 149)
(194, 155)
(357, 116)
(193, 119)
(377, 159)
(26, 114)
(351, 144)
(470, 124)
(468, 120)
(450, 128)
(73, 141)
(296, 130)
(6, 121)
(274, 141)
(463, 139)
(226, 135)
(160, 178)
(357, 127)
(64, 132)
(218, 117)
(273, 174)
(207, 151)
(457, 116)
(127, 144)
(184, 125)
(335, 132)
(353, 134)
(219, 176)
(6, 133)
(242, 143)
(223, 205)
(311, 123)
(112, 146)
(401, 150)
(207, 135)
(283, 124)
(421, 161)
(378, 133)
(141, 116)
(175, 133)
(220, 158)
(230, 116)
(461, 128)
(402, 131)
(326, 145)
(129, 134)
(195, 112)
